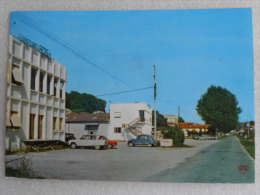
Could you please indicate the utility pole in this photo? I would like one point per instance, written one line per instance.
(179, 114)
(155, 94)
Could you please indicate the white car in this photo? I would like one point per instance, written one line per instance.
(89, 141)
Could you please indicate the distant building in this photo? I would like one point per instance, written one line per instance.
(172, 120)
(36, 86)
(191, 128)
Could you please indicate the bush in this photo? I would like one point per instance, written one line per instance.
(176, 134)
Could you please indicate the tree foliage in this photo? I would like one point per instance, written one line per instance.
(161, 121)
(176, 134)
(83, 102)
(219, 108)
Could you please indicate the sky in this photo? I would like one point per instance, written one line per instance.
(115, 51)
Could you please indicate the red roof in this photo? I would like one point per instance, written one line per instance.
(191, 125)
(87, 117)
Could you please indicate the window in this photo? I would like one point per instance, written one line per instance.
(61, 88)
(16, 75)
(117, 130)
(55, 86)
(55, 126)
(33, 78)
(49, 84)
(41, 81)
(117, 114)
(15, 120)
(91, 127)
(61, 123)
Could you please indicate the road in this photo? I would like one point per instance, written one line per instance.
(223, 162)
(206, 161)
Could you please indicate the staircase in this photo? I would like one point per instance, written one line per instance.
(131, 127)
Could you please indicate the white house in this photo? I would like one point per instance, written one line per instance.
(172, 120)
(36, 86)
(85, 123)
(127, 120)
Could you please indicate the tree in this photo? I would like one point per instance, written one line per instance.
(176, 134)
(219, 108)
(161, 121)
(84, 102)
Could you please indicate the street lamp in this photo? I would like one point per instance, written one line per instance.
(248, 125)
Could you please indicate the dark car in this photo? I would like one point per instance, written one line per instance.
(142, 140)
(69, 136)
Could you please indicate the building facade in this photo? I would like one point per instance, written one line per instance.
(172, 120)
(190, 129)
(129, 120)
(36, 89)
(85, 123)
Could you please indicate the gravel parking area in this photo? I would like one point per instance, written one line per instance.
(120, 164)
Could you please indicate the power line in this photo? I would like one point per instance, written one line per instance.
(69, 48)
(125, 91)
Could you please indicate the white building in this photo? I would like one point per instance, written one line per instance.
(124, 122)
(129, 120)
(85, 123)
(36, 87)
(172, 120)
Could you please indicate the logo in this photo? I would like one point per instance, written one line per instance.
(243, 168)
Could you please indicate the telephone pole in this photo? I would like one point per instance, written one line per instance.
(155, 94)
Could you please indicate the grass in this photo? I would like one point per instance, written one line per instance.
(248, 145)
(11, 172)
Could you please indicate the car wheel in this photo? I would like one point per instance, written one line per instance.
(97, 147)
(150, 145)
(110, 146)
(130, 144)
(73, 146)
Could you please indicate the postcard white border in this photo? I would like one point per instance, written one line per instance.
(24, 186)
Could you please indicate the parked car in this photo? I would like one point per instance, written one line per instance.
(111, 143)
(142, 140)
(89, 141)
(196, 136)
(205, 137)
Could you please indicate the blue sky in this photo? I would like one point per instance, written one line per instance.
(116, 51)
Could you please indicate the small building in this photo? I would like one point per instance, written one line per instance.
(128, 120)
(36, 89)
(86, 123)
(172, 120)
(192, 128)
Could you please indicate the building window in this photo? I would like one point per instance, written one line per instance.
(61, 88)
(49, 84)
(117, 114)
(55, 126)
(15, 120)
(16, 75)
(61, 123)
(33, 78)
(55, 86)
(91, 127)
(117, 130)
(41, 81)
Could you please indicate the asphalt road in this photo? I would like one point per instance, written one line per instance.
(207, 161)
(223, 162)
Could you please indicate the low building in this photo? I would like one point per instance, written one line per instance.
(85, 123)
(172, 120)
(192, 128)
(36, 89)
